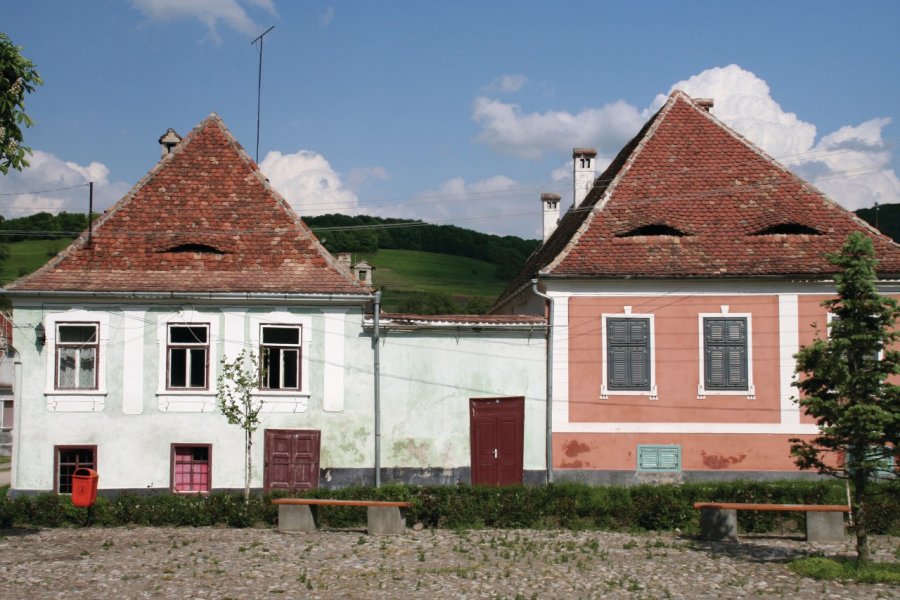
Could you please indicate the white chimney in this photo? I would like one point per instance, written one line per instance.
(550, 205)
(345, 259)
(583, 160)
(168, 141)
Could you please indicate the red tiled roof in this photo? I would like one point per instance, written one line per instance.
(203, 220)
(397, 319)
(687, 171)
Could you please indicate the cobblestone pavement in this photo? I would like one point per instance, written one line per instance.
(143, 562)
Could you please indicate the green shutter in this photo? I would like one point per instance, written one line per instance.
(725, 354)
(658, 458)
(628, 353)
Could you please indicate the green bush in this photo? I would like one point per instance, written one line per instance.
(567, 505)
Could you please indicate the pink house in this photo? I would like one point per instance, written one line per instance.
(679, 287)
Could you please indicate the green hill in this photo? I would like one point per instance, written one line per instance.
(25, 257)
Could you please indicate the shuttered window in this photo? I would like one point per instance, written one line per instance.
(659, 458)
(628, 353)
(725, 353)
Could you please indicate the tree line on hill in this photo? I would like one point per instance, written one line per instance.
(342, 233)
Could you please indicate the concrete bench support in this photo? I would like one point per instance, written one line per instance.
(718, 524)
(296, 518)
(385, 520)
(824, 526)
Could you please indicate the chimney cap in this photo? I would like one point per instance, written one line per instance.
(550, 197)
(168, 141)
(704, 103)
(584, 152)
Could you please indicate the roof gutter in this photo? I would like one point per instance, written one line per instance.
(286, 296)
(549, 378)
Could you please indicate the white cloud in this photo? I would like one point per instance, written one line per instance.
(328, 17)
(509, 130)
(506, 84)
(496, 204)
(851, 165)
(358, 178)
(47, 175)
(211, 13)
(308, 183)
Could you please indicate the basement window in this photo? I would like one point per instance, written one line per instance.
(788, 229)
(69, 458)
(201, 248)
(657, 229)
(190, 468)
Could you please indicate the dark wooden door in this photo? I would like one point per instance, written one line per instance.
(497, 435)
(292, 459)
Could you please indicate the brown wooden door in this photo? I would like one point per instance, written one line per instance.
(292, 459)
(497, 435)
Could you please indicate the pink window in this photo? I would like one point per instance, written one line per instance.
(191, 468)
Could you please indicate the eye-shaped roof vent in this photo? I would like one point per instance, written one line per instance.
(656, 229)
(789, 229)
(201, 248)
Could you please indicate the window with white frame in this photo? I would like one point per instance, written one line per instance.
(77, 349)
(628, 350)
(628, 354)
(187, 351)
(280, 353)
(725, 353)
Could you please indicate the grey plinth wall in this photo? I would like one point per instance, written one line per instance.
(824, 526)
(718, 524)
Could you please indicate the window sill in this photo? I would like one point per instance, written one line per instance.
(605, 393)
(283, 402)
(749, 393)
(76, 400)
(202, 401)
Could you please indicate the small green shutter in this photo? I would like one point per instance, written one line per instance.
(659, 458)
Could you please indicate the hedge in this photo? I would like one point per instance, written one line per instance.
(561, 505)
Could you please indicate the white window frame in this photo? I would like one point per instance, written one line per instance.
(605, 392)
(60, 345)
(724, 313)
(299, 349)
(187, 399)
(76, 399)
(285, 400)
(188, 358)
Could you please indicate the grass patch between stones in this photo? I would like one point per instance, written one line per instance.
(819, 567)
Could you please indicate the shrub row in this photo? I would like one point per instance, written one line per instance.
(566, 505)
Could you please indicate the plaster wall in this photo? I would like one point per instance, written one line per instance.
(134, 437)
(428, 378)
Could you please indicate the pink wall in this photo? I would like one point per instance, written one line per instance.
(699, 452)
(677, 355)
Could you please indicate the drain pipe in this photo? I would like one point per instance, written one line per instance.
(377, 371)
(549, 376)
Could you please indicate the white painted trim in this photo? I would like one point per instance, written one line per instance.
(702, 392)
(695, 287)
(692, 428)
(76, 400)
(188, 400)
(133, 321)
(282, 317)
(605, 392)
(788, 346)
(560, 343)
(334, 358)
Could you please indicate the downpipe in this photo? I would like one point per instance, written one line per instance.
(377, 382)
(549, 377)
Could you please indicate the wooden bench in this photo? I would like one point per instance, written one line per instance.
(298, 515)
(824, 522)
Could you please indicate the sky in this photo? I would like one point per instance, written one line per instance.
(457, 112)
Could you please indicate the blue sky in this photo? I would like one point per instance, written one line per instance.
(456, 112)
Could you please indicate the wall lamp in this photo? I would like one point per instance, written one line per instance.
(40, 334)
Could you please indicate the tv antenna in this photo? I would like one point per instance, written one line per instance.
(259, 85)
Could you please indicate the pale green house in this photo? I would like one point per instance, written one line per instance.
(119, 342)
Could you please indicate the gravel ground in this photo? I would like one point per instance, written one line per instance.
(143, 562)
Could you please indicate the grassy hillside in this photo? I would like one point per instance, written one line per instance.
(27, 256)
(404, 273)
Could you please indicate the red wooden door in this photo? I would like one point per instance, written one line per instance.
(292, 459)
(497, 435)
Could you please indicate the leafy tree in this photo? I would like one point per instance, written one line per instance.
(17, 78)
(236, 383)
(844, 384)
